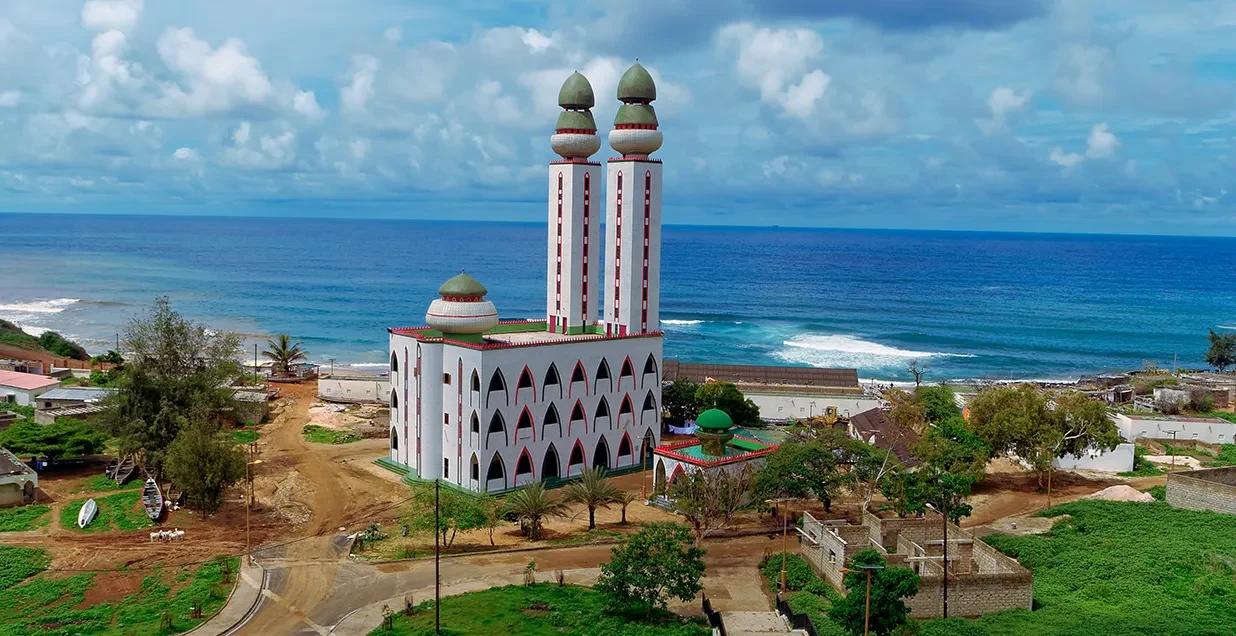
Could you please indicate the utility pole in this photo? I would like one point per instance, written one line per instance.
(867, 611)
(255, 365)
(944, 513)
(437, 583)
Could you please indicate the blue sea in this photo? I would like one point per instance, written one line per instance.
(967, 304)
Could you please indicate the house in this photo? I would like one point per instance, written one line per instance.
(23, 366)
(18, 482)
(21, 388)
(363, 389)
(874, 427)
(252, 405)
(1211, 430)
(71, 396)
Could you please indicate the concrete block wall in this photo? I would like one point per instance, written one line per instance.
(1208, 489)
(973, 594)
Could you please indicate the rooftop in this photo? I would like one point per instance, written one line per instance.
(26, 381)
(512, 333)
(10, 465)
(84, 394)
(737, 450)
(1159, 417)
(888, 435)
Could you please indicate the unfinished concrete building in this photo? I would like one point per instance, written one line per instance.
(981, 580)
(1206, 489)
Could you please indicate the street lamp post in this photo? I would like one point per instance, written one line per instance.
(785, 511)
(249, 505)
(944, 515)
(867, 608)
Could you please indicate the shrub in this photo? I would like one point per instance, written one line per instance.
(798, 573)
(1158, 492)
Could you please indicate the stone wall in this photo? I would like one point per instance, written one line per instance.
(750, 374)
(1207, 489)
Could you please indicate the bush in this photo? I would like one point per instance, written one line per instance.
(18, 564)
(1158, 492)
(1142, 467)
(798, 573)
(57, 344)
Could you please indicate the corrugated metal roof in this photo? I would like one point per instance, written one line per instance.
(84, 394)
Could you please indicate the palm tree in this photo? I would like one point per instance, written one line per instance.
(593, 491)
(626, 498)
(532, 504)
(283, 353)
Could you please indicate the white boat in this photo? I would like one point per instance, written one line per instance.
(87, 513)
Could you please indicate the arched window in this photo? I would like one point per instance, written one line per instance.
(600, 456)
(650, 367)
(551, 419)
(525, 382)
(524, 422)
(496, 469)
(551, 379)
(649, 410)
(577, 455)
(394, 400)
(602, 409)
(394, 363)
(476, 423)
(549, 466)
(624, 448)
(626, 408)
(476, 381)
(475, 468)
(496, 425)
(394, 439)
(577, 417)
(578, 375)
(497, 382)
(523, 466)
(603, 374)
(627, 371)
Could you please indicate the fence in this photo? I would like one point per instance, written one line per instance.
(797, 621)
(714, 617)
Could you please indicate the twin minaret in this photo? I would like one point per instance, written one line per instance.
(629, 293)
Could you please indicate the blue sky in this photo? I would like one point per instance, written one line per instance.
(1077, 115)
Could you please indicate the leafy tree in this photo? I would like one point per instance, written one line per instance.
(492, 511)
(905, 411)
(726, 397)
(532, 504)
(678, 400)
(283, 352)
(658, 563)
(938, 402)
(904, 491)
(869, 465)
(800, 470)
(455, 510)
(950, 446)
(178, 371)
(204, 461)
(710, 499)
(1222, 352)
(948, 492)
(889, 589)
(112, 357)
(592, 491)
(67, 437)
(59, 345)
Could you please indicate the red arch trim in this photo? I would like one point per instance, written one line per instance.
(582, 453)
(531, 421)
(532, 381)
(531, 464)
(677, 471)
(571, 416)
(579, 364)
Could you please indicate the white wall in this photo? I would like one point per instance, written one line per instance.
(377, 390)
(22, 397)
(1209, 430)
(1117, 460)
(780, 406)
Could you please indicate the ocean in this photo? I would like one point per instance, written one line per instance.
(968, 304)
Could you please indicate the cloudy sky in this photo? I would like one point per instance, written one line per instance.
(1074, 115)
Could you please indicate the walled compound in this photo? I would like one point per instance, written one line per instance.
(980, 579)
(1205, 489)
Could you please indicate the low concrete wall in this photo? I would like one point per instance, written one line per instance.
(788, 404)
(355, 389)
(1117, 460)
(1208, 489)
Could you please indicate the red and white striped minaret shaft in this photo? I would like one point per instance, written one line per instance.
(632, 285)
(574, 214)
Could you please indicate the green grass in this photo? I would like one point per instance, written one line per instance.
(1142, 467)
(121, 511)
(590, 536)
(46, 605)
(808, 593)
(21, 518)
(18, 564)
(1119, 568)
(508, 611)
(1231, 417)
(321, 435)
(1226, 456)
(244, 436)
(103, 484)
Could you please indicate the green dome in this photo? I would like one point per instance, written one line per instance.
(714, 420)
(636, 85)
(576, 119)
(576, 92)
(636, 114)
(462, 285)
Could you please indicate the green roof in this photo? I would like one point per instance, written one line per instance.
(636, 85)
(636, 114)
(714, 420)
(696, 452)
(576, 119)
(462, 285)
(576, 92)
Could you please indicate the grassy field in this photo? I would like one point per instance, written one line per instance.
(136, 602)
(244, 436)
(321, 435)
(542, 609)
(21, 518)
(1120, 568)
(121, 511)
(809, 594)
(104, 484)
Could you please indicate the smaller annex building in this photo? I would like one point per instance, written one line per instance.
(18, 482)
(717, 446)
(22, 388)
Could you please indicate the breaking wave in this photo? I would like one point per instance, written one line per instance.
(54, 306)
(681, 323)
(850, 352)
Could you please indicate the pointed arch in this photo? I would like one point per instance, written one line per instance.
(497, 424)
(394, 438)
(649, 410)
(525, 469)
(625, 450)
(603, 373)
(602, 412)
(577, 415)
(551, 419)
(476, 381)
(525, 422)
(658, 478)
(577, 462)
(394, 400)
(551, 379)
(497, 382)
(525, 381)
(600, 454)
(580, 375)
(650, 367)
(394, 362)
(649, 445)
(550, 467)
(627, 407)
(627, 371)
(474, 471)
(678, 472)
(495, 476)
(475, 426)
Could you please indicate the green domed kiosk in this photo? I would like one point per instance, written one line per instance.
(715, 429)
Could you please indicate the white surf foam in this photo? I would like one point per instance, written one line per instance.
(681, 323)
(1227, 326)
(32, 330)
(850, 352)
(365, 365)
(53, 306)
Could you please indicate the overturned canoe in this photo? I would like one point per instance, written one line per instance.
(87, 514)
(152, 499)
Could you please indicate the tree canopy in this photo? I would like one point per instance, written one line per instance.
(890, 587)
(658, 563)
(66, 437)
(799, 470)
(456, 510)
(283, 352)
(938, 402)
(678, 400)
(725, 396)
(204, 461)
(593, 491)
(532, 504)
(1222, 352)
(710, 500)
(950, 446)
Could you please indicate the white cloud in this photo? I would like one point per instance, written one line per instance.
(1102, 142)
(776, 61)
(536, 40)
(355, 96)
(186, 154)
(105, 76)
(9, 99)
(216, 80)
(1003, 104)
(393, 34)
(241, 135)
(108, 15)
(1068, 160)
(272, 152)
(306, 103)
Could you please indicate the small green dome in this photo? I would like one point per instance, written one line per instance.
(636, 85)
(462, 285)
(576, 92)
(714, 420)
(576, 119)
(636, 114)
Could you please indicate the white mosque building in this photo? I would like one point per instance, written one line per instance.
(492, 405)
